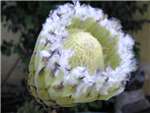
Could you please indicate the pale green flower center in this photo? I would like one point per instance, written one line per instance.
(109, 45)
(87, 50)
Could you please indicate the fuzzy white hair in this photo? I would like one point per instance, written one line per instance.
(54, 30)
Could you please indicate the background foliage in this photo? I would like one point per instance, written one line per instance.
(28, 17)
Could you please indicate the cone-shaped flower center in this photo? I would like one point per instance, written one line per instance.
(87, 50)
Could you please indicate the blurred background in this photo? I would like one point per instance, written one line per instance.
(21, 23)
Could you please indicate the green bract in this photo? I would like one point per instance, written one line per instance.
(80, 56)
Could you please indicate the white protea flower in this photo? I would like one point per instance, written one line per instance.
(80, 56)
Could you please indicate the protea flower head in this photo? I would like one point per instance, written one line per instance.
(80, 56)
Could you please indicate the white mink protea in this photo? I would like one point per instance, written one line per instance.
(80, 56)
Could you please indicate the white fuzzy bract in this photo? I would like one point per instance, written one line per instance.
(55, 32)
